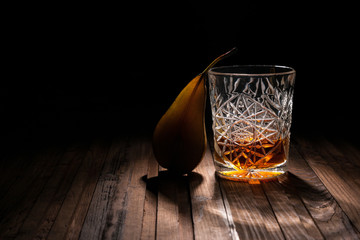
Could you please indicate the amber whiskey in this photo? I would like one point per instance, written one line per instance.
(241, 156)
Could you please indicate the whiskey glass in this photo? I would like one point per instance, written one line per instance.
(251, 111)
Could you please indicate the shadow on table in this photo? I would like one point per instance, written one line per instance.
(172, 186)
(302, 185)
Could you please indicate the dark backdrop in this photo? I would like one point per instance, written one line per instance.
(83, 70)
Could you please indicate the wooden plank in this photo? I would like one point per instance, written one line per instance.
(122, 169)
(186, 230)
(120, 200)
(324, 211)
(250, 222)
(208, 210)
(43, 201)
(174, 213)
(139, 153)
(20, 199)
(350, 149)
(96, 156)
(95, 221)
(272, 227)
(39, 208)
(70, 218)
(344, 160)
(68, 168)
(37, 204)
(126, 206)
(294, 207)
(286, 214)
(167, 211)
(148, 230)
(343, 191)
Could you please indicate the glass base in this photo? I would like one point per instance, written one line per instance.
(227, 170)
(251, 176)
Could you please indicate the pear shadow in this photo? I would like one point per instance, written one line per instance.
(172, 186)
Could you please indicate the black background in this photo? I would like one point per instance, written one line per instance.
(81, 70)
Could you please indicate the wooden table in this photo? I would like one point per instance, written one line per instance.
(114, 189)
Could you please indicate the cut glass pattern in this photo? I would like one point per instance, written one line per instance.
(251, 120)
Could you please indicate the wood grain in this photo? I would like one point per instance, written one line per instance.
(40, 217)
(173, 210)
(319, 203)
(70, 218)
(115, 189)
(23, 200)
(139, 153)
(345, 163)
(286, 214)
(100, 206)
(148, 230)
(344, 191)
(208, 210)
(66, 167)
(250, 221)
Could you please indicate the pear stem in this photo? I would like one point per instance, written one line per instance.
(227, 54)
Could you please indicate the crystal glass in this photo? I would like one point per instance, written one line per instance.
(251, 111)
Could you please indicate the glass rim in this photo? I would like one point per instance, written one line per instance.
(285, 70)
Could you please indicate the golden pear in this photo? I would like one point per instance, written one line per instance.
(179, 139)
